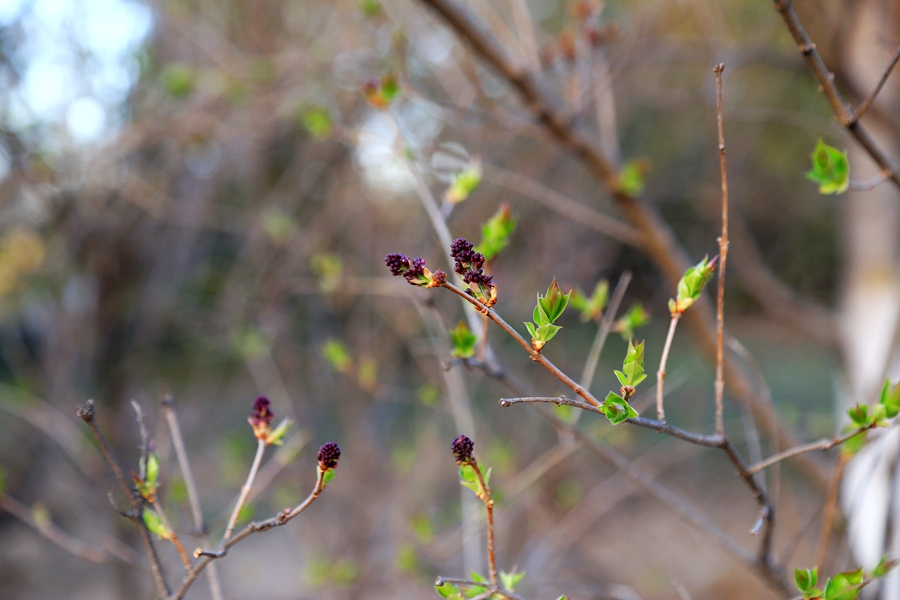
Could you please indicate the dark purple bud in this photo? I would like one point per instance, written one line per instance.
(440, 278)
(397, 263)
(416, 270)
(261, 417)
(460, 248)
(462, 450)
(329, 454)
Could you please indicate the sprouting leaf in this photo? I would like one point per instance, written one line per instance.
(476, 590)
(830, 169)
(884, 567)
(337, 355)
(631, 177)
(464, 183)
(155, 525)
(890, 399)
(554, 302)
(616, 409)
(806, 579)
(591, 308)
(328, 476)
(511, 580)
(853, 445)
(317, 120)
(152, 470)
(637, 316)
(691, 285)
(859, 415)
(464, 341)
(276, 436)
(448, 591)
(844, 586)
(495, 233)
(632, 372)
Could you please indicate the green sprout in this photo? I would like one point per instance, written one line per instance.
(548, 309)
(616, 406)
(830, 169)
(691, 285)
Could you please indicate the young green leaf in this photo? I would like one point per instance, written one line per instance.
(328, 476)
(890, 399)
(632, 372)
(511, 580)
(155, 525)
(464, 341)
(591, 308)
(464, 183)
(691, 285)
(448, 591)
(631, 178)
(844, 586)
(495, 233)
(637, 316)
(276, 436)
(830, 169)
(806, 579)
(616, 409)
(884, 567)
(554, 302)
(859, 415)
(548, 309)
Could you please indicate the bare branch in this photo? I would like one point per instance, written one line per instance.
(884, 77)
(661, 372)
(723, 260)
(86, 412)
(823, 444)
(245, 490)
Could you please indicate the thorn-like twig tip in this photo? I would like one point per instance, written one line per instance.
(86, 411)
(719, 68)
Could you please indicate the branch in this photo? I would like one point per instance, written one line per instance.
(884, 77)
(491, 589)
(245, 490)
(168, 410)
(845, 115)
(658, 239)
(661, 372)
(86, 412)
(276, 521)
(723, 258)
(606, 324)
(823, 444)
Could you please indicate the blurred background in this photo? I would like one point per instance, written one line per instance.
(196, 198)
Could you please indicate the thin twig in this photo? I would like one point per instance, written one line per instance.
(661, 373)
(606, 324)
(245, 490)
(823, 444)
(185, 559)
(491, 589)
(87, 413)
(884, 77)
(187, 474)
(723, 257)
(276, 521)
(829, 511)
(871, 183)
(489, 505)
(53, 533)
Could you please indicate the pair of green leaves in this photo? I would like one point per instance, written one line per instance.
(691, 285)
(495, 232)
(549, 308)
(843, 586)
(508, 581)
(591, 308)
(866, 417)
(616, 407)
(468, 478)
(637, 316)
(464, 183)
(464, 341)
(830, 169)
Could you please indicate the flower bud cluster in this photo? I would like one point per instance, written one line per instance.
(462, 450)
(470, 266)
(329, 454)
(413, 270)
(261, 417)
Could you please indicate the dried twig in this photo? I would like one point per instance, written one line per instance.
(884, 77)
(723, 259)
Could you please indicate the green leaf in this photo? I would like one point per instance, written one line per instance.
(691, 285)
(591, 308)
(637, 316)
(859, 415)
(495, 233)
(545, 333)
(854, 444)
(464, 183)
(844, 586)
(337, 355)
(623, 380)
(830, 169)
(317, 120)
(555, 302)
(806, 579)
(531, 330)
(511, 580)
(155, 525)
(328, 476)
(631, 177)
(152, 470)
(464, 341)
(616, 409)
(890, 399)
(632, 372)
(448, 591)
(276, 436)
(177, 79)
(467, 474)
(884, 567)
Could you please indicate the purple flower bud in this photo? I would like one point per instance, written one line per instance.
(329, 454)
(261, 417)
(462, 450)
(397, 263)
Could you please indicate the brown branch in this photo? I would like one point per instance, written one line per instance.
(489, 506)
(86, 412)
(823, 444)
(661, 372)
(245, 489)
(845, 115)
(53, 533)
(723, 258)
(830, 509)
(168, 410)
(278, 520)
(884, 77)
(658, 239)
